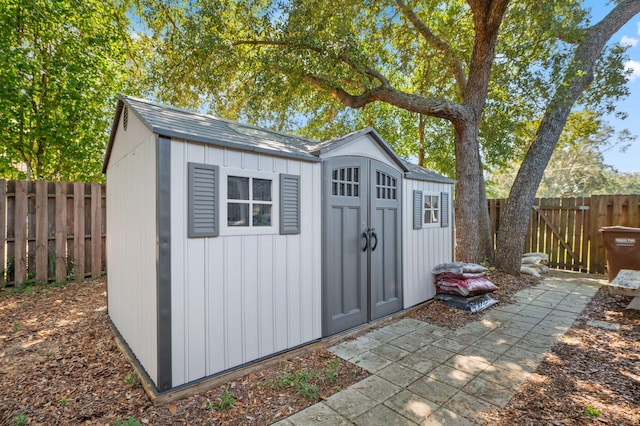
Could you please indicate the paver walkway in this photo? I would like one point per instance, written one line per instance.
(430, 375)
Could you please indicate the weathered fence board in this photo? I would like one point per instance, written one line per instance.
(568, 229)
(51, 231)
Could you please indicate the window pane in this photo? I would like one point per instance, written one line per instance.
(237, 214)
(262, 215)
(262, 189)
(237, 188)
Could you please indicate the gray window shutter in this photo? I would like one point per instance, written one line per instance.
(203, 200)
(444, 209)
(289, 204)
(417, 209)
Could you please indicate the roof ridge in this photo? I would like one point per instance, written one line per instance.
(215, 117)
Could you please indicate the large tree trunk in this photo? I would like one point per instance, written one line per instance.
(515, 216)
(467, 195)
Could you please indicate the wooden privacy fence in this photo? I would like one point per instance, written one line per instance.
(568, 229)
(51, 231)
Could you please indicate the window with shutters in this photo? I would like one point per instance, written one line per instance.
(251, 202)
(431, 209)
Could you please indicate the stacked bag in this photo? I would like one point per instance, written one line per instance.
(535, 264)
(463, 286)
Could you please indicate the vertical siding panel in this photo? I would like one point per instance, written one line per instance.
(251, 305)
(280, 297)
(234, 285)
(195, 313)
(216, 311)
(250, 161)
(233, 159)
(293, 290)
(304, 258)
(266, 266)
(266, 163)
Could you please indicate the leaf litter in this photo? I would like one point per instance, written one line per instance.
(59, 364)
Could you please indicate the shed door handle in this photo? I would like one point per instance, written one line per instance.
(374, 236)
(366, 241)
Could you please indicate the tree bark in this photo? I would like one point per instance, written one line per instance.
(467, 197)
(579, 75)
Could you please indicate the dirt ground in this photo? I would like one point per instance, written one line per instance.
(59, 364)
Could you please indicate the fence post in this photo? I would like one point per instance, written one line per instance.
(78, 231)
(20, 232)
(61, 231)
(96, 230)
(42, 237)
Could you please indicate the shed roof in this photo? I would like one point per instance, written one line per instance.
(178, 123)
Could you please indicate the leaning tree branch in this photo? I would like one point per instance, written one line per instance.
(454, 62)
(434, 107)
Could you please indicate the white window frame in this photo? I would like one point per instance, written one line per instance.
(437, 209)
(225, 229)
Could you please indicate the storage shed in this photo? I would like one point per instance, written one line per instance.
(229, 243)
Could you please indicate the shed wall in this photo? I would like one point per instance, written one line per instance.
(239, 298)
(424, 248)
(131, 245)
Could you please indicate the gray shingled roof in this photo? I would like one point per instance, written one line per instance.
(177, 123)
(420, 173)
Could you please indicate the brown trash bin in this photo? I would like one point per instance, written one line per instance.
(622, 246)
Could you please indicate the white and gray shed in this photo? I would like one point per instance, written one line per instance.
(229, 243)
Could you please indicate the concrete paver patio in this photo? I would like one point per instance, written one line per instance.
(430, 375)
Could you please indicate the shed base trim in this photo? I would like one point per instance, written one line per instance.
(207, 383)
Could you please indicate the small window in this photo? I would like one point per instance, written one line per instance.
(345, 182)
(431, 209)
(385, 186)
(249, 201)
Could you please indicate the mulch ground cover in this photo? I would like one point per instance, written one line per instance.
(59, 364)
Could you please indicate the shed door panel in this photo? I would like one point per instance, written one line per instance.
(345, 273)
(361, 248)
(385, 270)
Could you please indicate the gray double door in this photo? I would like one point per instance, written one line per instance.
(362, 276)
